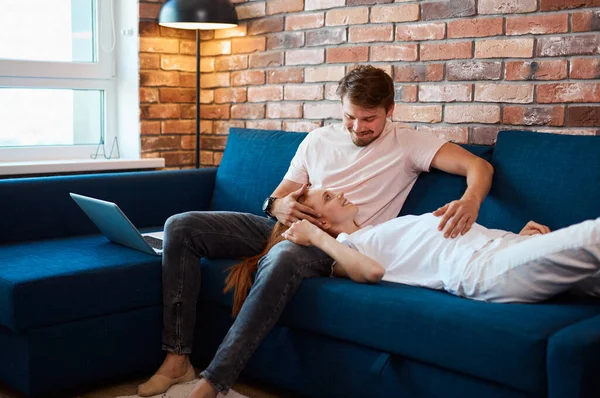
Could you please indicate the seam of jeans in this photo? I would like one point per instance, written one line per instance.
(250, 349)
(178, 297)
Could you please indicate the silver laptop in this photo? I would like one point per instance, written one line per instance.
(115, 225)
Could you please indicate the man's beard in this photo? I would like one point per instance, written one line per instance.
(361, 141)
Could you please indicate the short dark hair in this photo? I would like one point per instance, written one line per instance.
(367, 87)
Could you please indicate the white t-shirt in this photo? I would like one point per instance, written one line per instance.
(414, 252)
(377, 178)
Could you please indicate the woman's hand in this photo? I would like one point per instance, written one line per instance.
(533, 228)
(302, 233)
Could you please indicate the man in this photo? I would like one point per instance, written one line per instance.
(374, 161)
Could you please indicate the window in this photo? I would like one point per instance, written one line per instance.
(57, 78)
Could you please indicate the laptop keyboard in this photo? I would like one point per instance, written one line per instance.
(154, 242)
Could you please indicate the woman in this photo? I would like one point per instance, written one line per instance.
(483, 264)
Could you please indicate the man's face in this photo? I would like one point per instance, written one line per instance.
(364, 125)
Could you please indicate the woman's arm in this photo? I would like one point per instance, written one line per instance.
(355, 265)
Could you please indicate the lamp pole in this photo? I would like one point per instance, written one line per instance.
(197, 98)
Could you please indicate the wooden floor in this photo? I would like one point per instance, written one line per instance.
(252, 390)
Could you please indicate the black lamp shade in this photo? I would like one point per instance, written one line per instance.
(198, 14)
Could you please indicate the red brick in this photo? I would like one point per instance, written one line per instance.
(160, 143)
(178, 126)
(324, 74)
(347, 16)
(149, 128)
(310, 5)
(323, 110)
(265, 93)
(584, 116)
(207, 65)
(207, 96)
(149, 61)
(265, 25)
(534, 116)
(488, 114)
(285, 40)
(459, 135)
(236, 94)
(266, 60)
(419, 73)
(439, 51)
(359, 34)
(301, 127)
(239, 31)
(213, 143)
(537, 24)
(400, 52)
(248, 45)
(187, 79)
(325, 37)
(479, 27)
(149, 10)
(163, 111)
(473, 70)
(420, 31)
(249, 77)
(536, 70)
(264, 124)
(506, 6)
(215, 80)
(447, 9)
(148, 95)
(568, 92)
(585, 68)
(159, 45)
(251, 10)
(418, 113)
(498, 92)
(159, 78)
(177, 33)
(504, 48)
(248, 111)
(484, 135)
(304, 21)
(215, 112)
(445, 92)
(148, 28)
(173, 159)
(305, 57)
(284, 110)
(303, 92)
(285, 75)
(368, 2)
(347, 54)
(234, 62)
(558, 46)
(178, 62)
(585, 21)
(397, 13)
(222, 47)
(555, 5)
(406, 93)
(284, 6)
(222, 127)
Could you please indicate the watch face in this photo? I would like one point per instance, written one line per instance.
(265, 204)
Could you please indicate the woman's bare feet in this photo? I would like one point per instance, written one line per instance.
(175, 369)
(203, 389)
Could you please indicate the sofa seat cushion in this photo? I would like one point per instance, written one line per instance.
(55, 281)
(503, 343)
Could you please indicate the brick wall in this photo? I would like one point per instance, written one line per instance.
(464, 69)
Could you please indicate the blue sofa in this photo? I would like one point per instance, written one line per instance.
(77, 310)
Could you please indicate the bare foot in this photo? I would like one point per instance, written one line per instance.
(203, 389)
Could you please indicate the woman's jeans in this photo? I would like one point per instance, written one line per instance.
(193, 235)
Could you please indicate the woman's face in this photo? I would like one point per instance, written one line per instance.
(333, 207)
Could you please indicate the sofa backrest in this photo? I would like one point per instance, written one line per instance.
(253, 165)
(41, 208)
(549, 178)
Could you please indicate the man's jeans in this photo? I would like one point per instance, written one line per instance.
(190, 236)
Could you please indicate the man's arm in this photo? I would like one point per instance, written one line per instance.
(286, 208)
(459, 215)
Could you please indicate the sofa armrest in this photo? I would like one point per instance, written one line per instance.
(41, 208)
(573, 361)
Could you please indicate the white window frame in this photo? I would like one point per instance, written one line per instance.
(71, 75)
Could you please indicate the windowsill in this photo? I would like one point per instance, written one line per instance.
(79, 165)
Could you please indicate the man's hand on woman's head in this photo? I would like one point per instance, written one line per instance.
(533, 228)
(302, 233)
(457, 217)
(288, 210)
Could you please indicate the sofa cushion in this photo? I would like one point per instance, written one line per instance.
(503, 343)
(55, 281)
(253, 165)
(550, 178)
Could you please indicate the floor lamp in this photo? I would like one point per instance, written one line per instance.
(198, 15)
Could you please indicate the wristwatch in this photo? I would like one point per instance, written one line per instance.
(266, 208)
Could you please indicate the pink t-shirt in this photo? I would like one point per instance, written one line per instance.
(377, 178)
